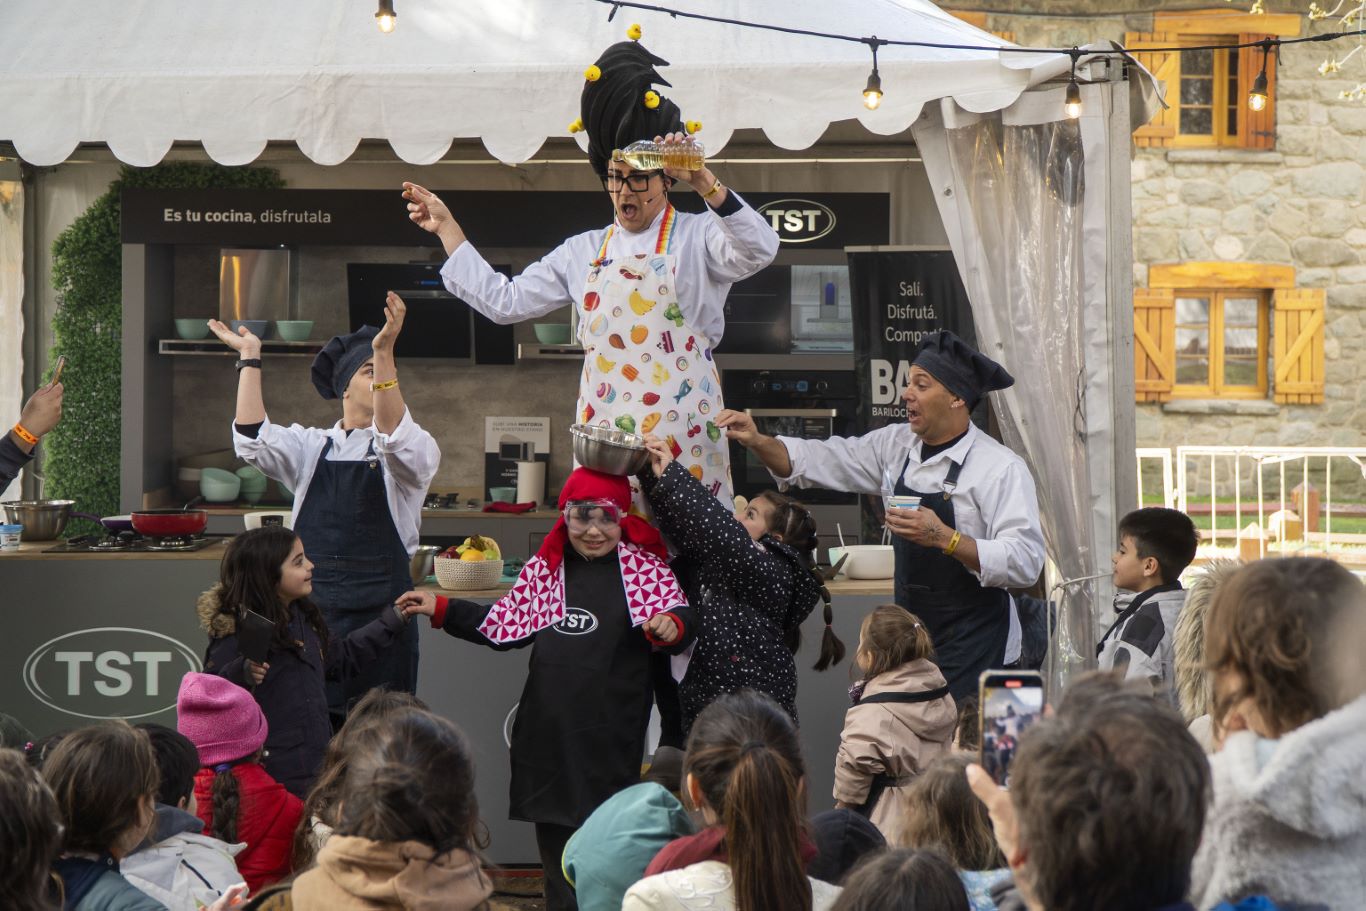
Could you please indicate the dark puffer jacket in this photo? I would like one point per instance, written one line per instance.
(747, 595)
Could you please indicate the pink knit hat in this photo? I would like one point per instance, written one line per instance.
(220, 718)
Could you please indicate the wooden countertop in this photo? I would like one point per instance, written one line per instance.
(33, 550)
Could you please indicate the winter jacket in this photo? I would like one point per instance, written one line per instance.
(1141, 641)
(12, 460)
(610, 851)
(705, 885)
(747, 595)
(1288, 819)
(180, 867)
(266, 817)
(357, 874)
(1194, 687)
(96, 885)
(892, 739)
(292, 696)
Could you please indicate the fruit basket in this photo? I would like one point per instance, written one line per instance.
(454, 574)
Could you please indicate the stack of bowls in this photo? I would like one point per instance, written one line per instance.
(219, 486)
(192, 328)
(253, 483)
(294, 330)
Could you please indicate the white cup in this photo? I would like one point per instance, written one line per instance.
(900, 501)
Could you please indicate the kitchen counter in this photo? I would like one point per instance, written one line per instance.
(33, 550)
(539, 514)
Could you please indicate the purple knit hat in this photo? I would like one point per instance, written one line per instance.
(220, 718)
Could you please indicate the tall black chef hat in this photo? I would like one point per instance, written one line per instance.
(964, 371)
(614, 109)
(339, 360)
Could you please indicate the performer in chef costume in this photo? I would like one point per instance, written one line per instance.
(650, 288)
(358, 485)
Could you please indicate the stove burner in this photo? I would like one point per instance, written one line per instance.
(130, 542)
(173, 542)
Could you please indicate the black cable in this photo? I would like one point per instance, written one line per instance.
(880, 42)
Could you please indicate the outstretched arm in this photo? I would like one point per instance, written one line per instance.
(251, 407)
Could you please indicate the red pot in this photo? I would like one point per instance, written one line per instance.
(162, 523)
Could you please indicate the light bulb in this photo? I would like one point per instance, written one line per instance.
(385, 16)
(872, 92)
(1072, 104)
(1256, 99)
(386, 23)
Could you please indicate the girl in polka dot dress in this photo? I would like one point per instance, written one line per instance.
(752, 586)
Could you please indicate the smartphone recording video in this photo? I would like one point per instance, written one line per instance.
(1011, 701)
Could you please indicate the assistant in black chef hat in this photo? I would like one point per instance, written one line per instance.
(964, 371)
(615, 108)
(339, 360)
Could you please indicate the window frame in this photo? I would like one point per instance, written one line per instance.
(1215, 387)
(1220, 138)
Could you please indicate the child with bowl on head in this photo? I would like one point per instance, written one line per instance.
(234, 795)
(594, 602)
(265, 570)
(754, 585)
(902, 717)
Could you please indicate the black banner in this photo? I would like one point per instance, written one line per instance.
(899, 297)
(491, 218)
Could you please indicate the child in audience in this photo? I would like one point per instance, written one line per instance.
(30, 836)
(319, 816)
(265, 570)
(104, 778)
(902, 717)
(754, 584)
(843, 839)
(944, 815)
(744, 774)
(235, 796)
(611, 850)
(903, 878)
(177, 865)
(1194, 685)
(1284, 640)
(406, 823)
(1155, 547)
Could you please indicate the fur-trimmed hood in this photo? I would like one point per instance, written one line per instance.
(211, 619)
(1194, 688)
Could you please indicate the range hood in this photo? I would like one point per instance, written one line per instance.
(256, 284)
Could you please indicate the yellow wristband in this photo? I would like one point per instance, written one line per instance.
(387, 384)
(22, 433)
(715, 188)
(953, 543)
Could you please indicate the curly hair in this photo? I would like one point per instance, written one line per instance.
(943, 813)
(30, 835)
(1280, 633)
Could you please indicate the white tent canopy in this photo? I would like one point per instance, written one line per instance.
(142, 74)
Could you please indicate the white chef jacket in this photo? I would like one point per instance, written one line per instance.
(409, 457)
(995, 502)
(712, 252)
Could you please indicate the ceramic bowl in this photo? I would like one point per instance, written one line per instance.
(552, 333)
(192, 328)
(502, 494)
(257, 327)
(869, 561)
(294, 330)
(219, 486)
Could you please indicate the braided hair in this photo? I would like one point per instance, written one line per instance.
(793, 524)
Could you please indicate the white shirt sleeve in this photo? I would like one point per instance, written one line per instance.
(856, 464)
(284, 454)
(739, 244)
(547, 284)
(1011, 551)
(410, 454)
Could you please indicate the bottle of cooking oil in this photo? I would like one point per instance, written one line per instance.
(648, 155)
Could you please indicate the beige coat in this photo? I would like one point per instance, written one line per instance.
(893, 738)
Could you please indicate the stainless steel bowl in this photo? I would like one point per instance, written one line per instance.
(420, 565)
(609, 450)
(43, 520)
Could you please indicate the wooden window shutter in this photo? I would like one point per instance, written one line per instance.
(1166, 68)
(1256, 129)
(1154, 344)
(1297, 337)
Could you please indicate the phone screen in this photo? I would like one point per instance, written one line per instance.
(1010, 702)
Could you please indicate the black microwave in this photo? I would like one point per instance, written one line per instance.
(438, 324)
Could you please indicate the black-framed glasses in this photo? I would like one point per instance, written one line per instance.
(636, 181)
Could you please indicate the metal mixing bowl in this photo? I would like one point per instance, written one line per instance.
(609, 450)
(43, 520)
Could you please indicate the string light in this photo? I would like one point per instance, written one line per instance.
(1072, 103)
(385, 16)
(872, 92)
(1256, 99)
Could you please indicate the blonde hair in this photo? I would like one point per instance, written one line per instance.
(890, 637)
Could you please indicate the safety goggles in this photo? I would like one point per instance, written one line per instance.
(636, 181)
(579, 515)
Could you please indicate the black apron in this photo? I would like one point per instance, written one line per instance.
(360, 567)
(968, 623)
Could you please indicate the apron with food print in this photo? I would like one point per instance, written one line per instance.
(645, 369)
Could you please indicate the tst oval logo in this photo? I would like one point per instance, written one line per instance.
(798, 221)
(576, 622)
(109, 672)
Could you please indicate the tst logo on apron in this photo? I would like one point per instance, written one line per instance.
(109, 672)
(576, 622)
(798, 221)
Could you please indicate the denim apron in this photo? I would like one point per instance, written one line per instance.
(360, 567)
(969, 624)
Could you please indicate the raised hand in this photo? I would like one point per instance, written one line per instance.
(739, 426)
(425, 208)
(394, 311)
(43, 410)
(660, 454)
(242, 341)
